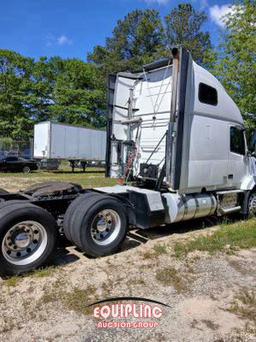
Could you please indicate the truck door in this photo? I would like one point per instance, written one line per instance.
(238, 160)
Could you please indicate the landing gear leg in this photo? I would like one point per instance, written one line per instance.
(84, 165)
(72, 165)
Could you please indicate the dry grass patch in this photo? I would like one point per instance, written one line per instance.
(148, 255)
(158, 249)
(210, 324)
(237, 266)
(75, 299)
(78, 300)
(169, 276)
(244, 305)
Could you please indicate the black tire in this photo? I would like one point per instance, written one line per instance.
(84, 218)
(10, 216)
(67, 222)
(78, 215)
(26, 169)
(11, 202)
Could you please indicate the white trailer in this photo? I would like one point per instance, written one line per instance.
(175, 139)
(66, 142)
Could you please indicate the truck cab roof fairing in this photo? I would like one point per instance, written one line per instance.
(225, 109)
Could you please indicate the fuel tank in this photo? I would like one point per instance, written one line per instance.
(186, 207)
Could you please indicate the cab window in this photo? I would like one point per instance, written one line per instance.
(207, 94)
(237, 142)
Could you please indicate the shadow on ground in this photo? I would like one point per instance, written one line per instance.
(67, 253)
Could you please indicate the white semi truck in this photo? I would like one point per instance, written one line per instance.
(175, 139)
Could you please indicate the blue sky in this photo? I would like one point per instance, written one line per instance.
(71, 28)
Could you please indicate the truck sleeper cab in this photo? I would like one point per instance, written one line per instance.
(176, 141)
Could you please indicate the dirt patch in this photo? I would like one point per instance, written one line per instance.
(210, 297)
(200, 289)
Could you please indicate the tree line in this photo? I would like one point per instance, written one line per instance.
(73, 91)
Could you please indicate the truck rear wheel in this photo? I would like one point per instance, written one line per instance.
(27, 238)
(67, 223)
(99, 225)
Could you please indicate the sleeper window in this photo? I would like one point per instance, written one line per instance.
(207, 94)
(237, 143)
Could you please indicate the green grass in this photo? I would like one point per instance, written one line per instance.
(12, 282)
(91, 178)
(40, 273)
(240, 235)
(160, 249)
(43, 272)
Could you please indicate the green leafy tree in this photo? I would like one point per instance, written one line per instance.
(136, 40)
(184, 27)
(44, 76)
(15, 95)
(78, 95)
(237, 61)
(142, 37)
(48, 89)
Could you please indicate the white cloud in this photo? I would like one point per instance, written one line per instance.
(159, 2)
(64, 40)
(52, 40)
(218, 14)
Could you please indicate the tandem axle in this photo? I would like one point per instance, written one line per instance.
(95, 220)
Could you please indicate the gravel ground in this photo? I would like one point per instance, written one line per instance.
(201, 289)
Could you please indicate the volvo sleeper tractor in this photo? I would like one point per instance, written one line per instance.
(175, 140)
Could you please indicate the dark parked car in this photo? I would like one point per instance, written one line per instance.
(16, 164)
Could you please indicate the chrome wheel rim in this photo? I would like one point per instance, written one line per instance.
(105, 227)
(24, 243)
(252, 205)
